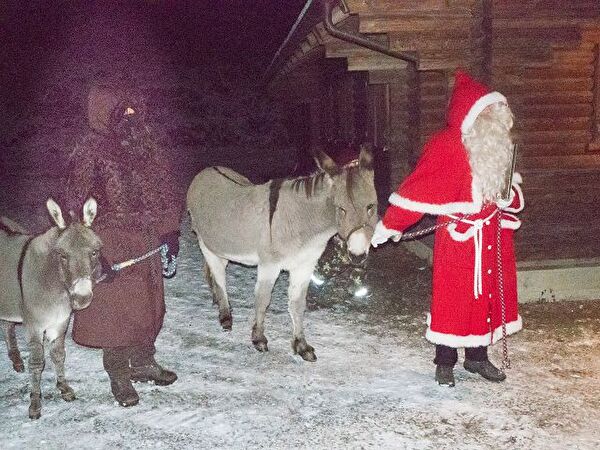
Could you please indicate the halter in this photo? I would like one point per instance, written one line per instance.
(348, 165)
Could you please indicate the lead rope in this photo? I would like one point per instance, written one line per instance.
(424, 231)
(168, 265)
(505, 358)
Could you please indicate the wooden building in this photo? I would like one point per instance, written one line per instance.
(381, 71)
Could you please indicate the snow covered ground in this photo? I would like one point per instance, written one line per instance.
(372, 386)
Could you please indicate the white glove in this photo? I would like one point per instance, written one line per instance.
(382, 234)
(503, 204)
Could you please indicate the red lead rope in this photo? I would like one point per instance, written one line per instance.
(505, 358)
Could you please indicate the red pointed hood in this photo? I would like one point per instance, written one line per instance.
(469, 99)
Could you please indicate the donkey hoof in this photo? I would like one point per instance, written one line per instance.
(68, 396)
(309, 355)
(260, 345)
(19, 367)
(35, 407)
(306, 351)
(226, 321)
(66, 392)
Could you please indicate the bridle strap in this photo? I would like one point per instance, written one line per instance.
(356, 228)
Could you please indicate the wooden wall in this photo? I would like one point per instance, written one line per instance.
(544, 56)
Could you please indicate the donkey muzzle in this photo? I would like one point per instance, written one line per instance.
(358, 244)
(81, 293)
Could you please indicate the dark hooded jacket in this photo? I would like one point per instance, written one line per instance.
(121, 165)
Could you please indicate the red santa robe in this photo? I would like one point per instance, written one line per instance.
(466, 310)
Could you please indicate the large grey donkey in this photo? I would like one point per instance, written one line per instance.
(42, 279)
(280, 225)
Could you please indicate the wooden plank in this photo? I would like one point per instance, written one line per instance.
(446, 43)
(374, 61)
(552, 149)
(553, 98)
(447, 64)
(525, 21)
(527, 124)
(547, 73)
(387, 76)
(435, 34)
(553, 110)
(391, 6)
(550, 33)
(528, 57)
(552, 85)
(547, 8)
(561, 162)
(387, 24)
(541, 137)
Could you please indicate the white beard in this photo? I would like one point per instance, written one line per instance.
(489, 146)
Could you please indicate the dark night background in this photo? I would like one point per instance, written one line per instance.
(197, 62)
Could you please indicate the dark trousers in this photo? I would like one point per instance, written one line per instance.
(447, 356)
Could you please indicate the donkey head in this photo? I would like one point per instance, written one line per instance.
(76, 252)
(355, 200)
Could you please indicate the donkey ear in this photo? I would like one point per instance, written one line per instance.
(327, 164)
(90, 208)
(56, 214)
(365, 160)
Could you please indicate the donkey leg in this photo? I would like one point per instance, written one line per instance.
(57, 354)
(215, 276)
(265, 280)
(12, 346)
(36, 366)
(299, 281)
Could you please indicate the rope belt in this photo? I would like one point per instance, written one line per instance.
(476, 232)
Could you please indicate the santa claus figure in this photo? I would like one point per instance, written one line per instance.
(460, 178)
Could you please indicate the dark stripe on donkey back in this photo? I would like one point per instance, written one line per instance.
(21, 262)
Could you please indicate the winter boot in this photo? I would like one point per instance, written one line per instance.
(444, 375)
(486, 369)
(144, 367)
(116, 364)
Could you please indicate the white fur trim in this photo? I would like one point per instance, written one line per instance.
(519, 193)
(511, 224)
(472, 340)
(441, 209)
(458, 236)
(478, 107)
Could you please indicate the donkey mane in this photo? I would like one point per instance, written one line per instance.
(310, 184)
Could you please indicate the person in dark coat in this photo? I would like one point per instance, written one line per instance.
(121, 165)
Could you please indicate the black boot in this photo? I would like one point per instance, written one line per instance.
(116, 364)
(144, 367)
(476, 361)
(445, 359)
(444, 375)
(486, 369)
